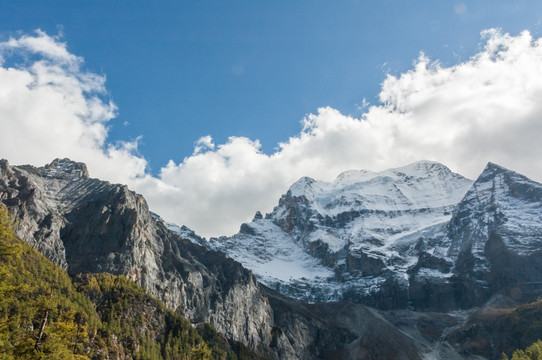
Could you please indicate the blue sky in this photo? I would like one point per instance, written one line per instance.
(212, 109)
(179, 70)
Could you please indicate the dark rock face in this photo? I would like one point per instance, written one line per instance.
(498, 326)
(358, 261)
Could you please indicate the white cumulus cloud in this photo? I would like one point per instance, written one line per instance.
(487, 108)
(50, 107)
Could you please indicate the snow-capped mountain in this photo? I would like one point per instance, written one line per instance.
(400, 238)
(325, 239)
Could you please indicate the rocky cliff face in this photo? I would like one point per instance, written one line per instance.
(88, 225)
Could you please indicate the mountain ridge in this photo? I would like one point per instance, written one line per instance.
(381, 238)
(419, 291)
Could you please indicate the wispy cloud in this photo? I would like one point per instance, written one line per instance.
(486, 108)
(460, 8)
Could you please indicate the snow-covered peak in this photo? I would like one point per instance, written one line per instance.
(416, 169)
(354, 176)
(497, 184)
(491, 170)
(423, 184)
(421, 168)
(307, 187)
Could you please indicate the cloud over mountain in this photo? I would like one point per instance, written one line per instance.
(486, 108)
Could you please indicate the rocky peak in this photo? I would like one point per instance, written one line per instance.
(516, 185)
(494, 238)
(60, 169)
(257, 216)
(65, 168)
(491, 170)
(5, 169)
(304, 187)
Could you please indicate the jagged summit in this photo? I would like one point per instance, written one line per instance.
(58, 167)
(493, 166)
(62, 169)
(257, 216)
(492, 170)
